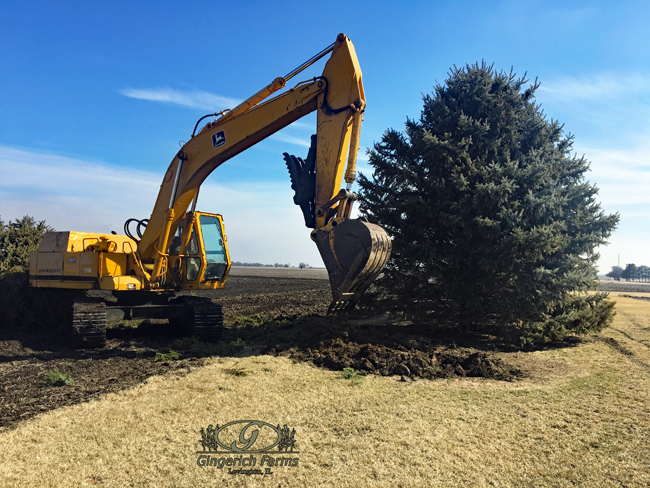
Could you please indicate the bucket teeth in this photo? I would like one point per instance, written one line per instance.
(354, 253)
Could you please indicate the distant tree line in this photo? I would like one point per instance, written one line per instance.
(632, 272)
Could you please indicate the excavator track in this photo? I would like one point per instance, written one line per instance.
(88, 323)
(208, 319)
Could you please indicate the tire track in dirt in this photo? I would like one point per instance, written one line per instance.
(639, 341)
(632, 319)
(613, 343)
(617, 346)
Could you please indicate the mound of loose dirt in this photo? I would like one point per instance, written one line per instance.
(636, 297)
(336, 354)
(391, 357)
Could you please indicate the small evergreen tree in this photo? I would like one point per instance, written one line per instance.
(17, 240)
(494, 226)
(21, 305)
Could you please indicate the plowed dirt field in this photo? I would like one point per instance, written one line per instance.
(267, 311)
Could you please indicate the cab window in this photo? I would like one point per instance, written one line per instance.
(215, 249)
(193, 266)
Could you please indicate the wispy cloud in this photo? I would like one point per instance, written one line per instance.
(298, 141)
(599, 87)
(623, 187)
(303, 125)
(93, 196)
(78, 194)
(611, 110)
(194, 99)
(365, 169)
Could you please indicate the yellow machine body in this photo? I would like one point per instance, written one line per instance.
(82, 260)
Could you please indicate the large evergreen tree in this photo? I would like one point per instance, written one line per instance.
(493, 222)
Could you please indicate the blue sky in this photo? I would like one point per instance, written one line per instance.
(95, 97)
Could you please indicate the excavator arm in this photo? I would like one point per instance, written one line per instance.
(354, 251)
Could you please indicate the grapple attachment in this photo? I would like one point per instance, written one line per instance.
(354, 253)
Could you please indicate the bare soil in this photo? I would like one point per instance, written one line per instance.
(288, 320)
(377, 347)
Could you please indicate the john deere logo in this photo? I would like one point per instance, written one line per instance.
(218, 139)
(247, 447)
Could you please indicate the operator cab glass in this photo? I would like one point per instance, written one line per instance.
(215, 250)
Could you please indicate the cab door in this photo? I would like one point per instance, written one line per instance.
(215, 249)
(205, 262)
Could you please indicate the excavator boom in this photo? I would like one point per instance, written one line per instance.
(353, 253)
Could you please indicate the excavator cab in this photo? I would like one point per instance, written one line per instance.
(198, 252)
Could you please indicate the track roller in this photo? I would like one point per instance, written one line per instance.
(208, 319)
(88, 323)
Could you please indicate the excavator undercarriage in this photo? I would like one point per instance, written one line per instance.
(199, 316)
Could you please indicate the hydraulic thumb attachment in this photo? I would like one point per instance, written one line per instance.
(354, 251)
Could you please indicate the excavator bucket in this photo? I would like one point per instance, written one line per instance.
(354, 253)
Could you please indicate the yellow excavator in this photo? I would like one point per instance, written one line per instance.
(180, 248)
